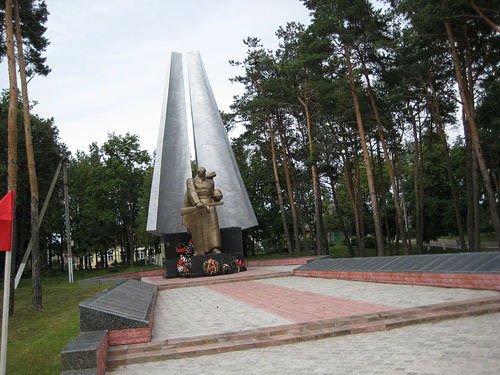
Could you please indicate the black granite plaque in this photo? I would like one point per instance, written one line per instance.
(126, 305)
(485, 262)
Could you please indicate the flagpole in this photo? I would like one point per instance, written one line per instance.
(5, 312)
(6, 227)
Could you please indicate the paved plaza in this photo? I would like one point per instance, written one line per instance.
(458, 346)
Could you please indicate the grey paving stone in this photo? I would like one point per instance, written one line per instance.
(398, 351)
(196, 311)
(396, 295)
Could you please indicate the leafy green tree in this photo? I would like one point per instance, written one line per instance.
(488, 119)
(344, 22)
(33, 16)
(125, 166)
(145, 239)
(300, 60)
(93, 217)
(47, 150)
(474, 49)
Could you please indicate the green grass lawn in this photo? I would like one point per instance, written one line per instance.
(36, 338)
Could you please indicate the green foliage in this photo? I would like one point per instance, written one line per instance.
(406, 56)
(109, 191)
(488, 118)
(33, 16)
(47, 151)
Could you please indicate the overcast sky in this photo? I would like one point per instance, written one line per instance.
(108, 59)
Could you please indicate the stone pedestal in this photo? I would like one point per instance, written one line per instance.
(86, 354)
(232, 245)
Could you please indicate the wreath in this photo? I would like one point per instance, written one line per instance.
(226, 268)
(184, 262)
(180, 248)
(211, 267)
(184, 266)
(189, 249)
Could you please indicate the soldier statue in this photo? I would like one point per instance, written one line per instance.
(199, 213)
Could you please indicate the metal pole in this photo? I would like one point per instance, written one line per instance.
(66, 214)
(5, 312)
(27, 253)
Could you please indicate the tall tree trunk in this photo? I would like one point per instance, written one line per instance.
(284, 151)
(352, 197)
(36, 269)
(278, 187)
(476, 196)
(399, 216)
(404, 203)
(383, 204)
(299, 208)
(339, 214)
(369, 172)
(416, 184)
(318, 211)
(12, 135)
(421, 183)
(469, 184)
(468, 104)
(358, 194)
(449, 168)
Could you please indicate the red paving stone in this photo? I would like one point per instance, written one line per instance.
(294, 305)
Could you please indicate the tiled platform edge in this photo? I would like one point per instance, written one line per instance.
(272, 336)
(136, 275)
(86, 354)
(450, 280)
(120, 277)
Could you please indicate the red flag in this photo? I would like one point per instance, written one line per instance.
(6, 216)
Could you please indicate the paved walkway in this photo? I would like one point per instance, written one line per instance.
(455, 347)
(458, 346)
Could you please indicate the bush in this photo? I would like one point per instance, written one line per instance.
(369, 242)
(141, 262)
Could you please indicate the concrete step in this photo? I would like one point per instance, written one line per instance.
(272, 336)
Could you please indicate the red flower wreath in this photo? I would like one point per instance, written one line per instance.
(211, 267)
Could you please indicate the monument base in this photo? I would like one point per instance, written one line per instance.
(232, 246)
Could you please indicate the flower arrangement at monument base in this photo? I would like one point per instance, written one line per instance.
(184, 266)
(211, 267)
(226, 269)
(237, 264)
(184, 262)
(189, 249)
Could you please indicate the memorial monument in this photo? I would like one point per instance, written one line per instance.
(174, 189)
